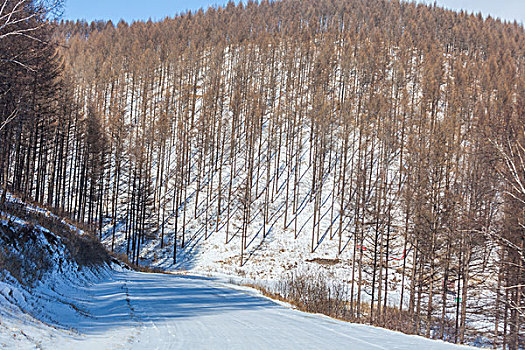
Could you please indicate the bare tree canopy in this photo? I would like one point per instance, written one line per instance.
(24, 17)
(25, 36)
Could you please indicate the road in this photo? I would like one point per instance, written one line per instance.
(132, 310)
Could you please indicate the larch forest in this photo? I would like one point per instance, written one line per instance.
(388, 134)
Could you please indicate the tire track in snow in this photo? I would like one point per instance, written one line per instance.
(137, 330)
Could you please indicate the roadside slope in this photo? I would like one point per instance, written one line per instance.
(45, 262)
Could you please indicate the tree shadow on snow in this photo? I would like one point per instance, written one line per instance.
(131, 298)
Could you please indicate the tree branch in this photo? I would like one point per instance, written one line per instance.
(9, 119)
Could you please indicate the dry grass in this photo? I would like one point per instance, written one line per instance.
(313, 293)
(322, 261)
(27, 258)
(85, 250)
(309, 293)
(31, 260)
(123, 259)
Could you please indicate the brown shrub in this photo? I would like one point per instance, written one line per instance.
(85, 249)
(123, 259)
(314, 293)
(31, 260)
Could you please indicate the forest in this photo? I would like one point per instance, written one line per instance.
(395, 129)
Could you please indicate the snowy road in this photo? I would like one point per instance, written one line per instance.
(131, 310)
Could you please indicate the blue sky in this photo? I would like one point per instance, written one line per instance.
(130, 10)
(504, 9)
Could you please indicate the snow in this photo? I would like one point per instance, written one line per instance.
(131, 310)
